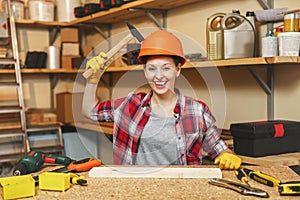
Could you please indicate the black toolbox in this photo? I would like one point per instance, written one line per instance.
(264, 138)
(91, 8)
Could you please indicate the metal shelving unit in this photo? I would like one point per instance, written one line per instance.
(141, 8)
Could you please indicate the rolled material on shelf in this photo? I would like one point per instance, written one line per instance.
(270, 15)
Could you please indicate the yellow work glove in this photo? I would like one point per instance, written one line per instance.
(228, 161)
(96, 63)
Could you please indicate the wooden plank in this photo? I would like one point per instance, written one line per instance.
(217, 63)
(282, 59)
(112, 14)
(122, 13)
(288, 159)
(154, 172)
(36, 23)
(105, 127)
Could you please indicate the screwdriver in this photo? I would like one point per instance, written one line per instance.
(262, 178)
(240, 174)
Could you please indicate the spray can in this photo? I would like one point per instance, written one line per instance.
(269, 45)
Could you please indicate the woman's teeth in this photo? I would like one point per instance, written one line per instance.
(160, 83)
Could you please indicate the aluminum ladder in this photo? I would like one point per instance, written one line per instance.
(13, 141)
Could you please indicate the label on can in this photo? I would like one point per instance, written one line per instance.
(289, 44)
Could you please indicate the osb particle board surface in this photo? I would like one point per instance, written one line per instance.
(160, 188)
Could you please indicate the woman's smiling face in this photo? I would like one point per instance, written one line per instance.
(161, 73)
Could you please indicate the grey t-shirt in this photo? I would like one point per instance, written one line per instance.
(157, 144)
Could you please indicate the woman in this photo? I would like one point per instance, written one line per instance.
(161, 127)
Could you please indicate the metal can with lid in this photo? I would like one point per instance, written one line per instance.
(291, 22)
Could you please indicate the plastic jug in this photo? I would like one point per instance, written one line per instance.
(214, 36)
(239, 36)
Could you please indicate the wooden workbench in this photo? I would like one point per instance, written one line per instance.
(161, 188)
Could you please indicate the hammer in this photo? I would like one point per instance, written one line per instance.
(134, 33)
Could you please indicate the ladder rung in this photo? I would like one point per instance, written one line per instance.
(50, 149)
(4, 133)
(42, 128)
(11, 135)
(9, 109)
(9, 84)
(7, 61)
(11, 157)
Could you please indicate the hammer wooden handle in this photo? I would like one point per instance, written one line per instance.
(111, 53)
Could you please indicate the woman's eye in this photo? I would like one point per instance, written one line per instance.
(151, 68)
(166, 68)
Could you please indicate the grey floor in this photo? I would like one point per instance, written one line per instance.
(6, 169)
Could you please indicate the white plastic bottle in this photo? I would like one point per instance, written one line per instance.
(251, 17)
(269, 45)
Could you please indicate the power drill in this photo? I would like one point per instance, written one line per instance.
(33, 161)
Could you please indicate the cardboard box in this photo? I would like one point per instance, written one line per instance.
(68, 107)
(87, 50)
(40, 116)
(69, 35)
(67, 62)
(70, 49)
(266, 137)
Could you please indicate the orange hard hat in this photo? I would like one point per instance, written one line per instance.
(161, 42)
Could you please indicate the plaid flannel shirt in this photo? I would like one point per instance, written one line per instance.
(194, 127)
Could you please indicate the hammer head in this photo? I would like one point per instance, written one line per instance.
(135, 32)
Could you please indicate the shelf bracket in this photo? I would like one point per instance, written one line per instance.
(270, 97)
(53, 82)
(53, 32)
(269, 4)
(260, 81)
(105, 36)
(268, 87)
(264, 4)
(149, 13)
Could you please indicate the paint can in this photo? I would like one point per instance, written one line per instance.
(291, 22)
(289, 43)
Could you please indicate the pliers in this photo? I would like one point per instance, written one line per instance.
(238, 187)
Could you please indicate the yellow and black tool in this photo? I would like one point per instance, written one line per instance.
(241, 175)
(262, 178)
(77, 179)
(289, 188)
